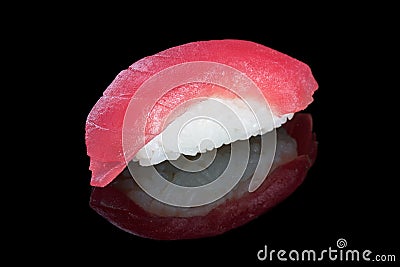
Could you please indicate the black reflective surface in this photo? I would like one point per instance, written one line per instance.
(349, 193)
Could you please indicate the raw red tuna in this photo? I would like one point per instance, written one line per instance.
(286, 83)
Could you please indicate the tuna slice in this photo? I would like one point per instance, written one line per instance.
(286, 84)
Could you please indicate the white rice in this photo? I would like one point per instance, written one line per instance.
(207, 125)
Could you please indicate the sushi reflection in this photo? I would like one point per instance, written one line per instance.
(125, 205)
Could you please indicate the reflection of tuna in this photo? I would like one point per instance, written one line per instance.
(115, 201)
(286, 84)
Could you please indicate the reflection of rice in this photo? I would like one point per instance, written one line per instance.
(209, 124)
(286, 150)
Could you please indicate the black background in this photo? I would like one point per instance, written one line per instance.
(349, 193)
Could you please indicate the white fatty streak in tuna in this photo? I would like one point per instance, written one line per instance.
(286, 150)
(207, 125)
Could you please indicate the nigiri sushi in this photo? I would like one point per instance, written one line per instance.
(200, 138)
